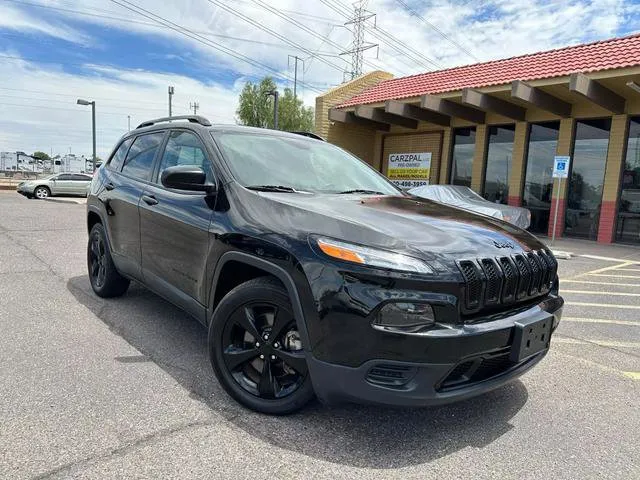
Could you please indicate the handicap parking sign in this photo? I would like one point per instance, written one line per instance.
(561, 166)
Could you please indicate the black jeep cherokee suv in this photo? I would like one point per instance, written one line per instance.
(313, 273)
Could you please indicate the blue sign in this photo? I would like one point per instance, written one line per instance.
(561, 166)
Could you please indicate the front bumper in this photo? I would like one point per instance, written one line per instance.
(478, 361)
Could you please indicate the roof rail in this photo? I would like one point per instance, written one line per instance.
(309, 134)
(192, 118)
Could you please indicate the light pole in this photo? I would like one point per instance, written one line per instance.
(93, 124)
(171, 90)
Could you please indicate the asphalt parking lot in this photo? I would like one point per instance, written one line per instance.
(123, 388)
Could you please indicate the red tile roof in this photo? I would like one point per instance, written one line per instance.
(590, 57)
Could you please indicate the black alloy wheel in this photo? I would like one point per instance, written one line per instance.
(105, 280)
(97, 261)
(256, 349)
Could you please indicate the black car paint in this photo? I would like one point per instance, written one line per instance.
(180, 246)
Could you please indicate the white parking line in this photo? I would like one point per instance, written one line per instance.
(601, 283)
(609, 259)
(627, 269)
(606, 305)
(602, 343)
(614, 276)
(597, 292)
(628, 323)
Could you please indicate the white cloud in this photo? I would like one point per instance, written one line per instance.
(39, 112)
(18, 20)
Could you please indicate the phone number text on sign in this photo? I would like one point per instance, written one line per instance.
(409, 170)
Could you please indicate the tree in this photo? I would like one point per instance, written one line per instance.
(255, 108)
(40, 155)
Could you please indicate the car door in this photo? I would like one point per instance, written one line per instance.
(125, 178)
(174, 228)
(62, 184)
(80, 184)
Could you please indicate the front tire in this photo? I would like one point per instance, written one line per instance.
(105, 279)
(42, 192)
(256, 351)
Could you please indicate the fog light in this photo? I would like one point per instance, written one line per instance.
(408, 317)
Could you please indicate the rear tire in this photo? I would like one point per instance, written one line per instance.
(256, 351)
(105, 279)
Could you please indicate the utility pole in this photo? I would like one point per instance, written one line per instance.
(128, 123)
(360, 16)
(295, 72)
(195, 106)
(171, 90)
(274, 94)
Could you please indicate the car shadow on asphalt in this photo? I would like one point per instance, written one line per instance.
(354, 435)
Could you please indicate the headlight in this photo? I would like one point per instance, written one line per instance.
(373, 257)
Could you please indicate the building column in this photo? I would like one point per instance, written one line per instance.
(611, 187)
(479, 158)
(445, 156)
(518, 164)
(377, 152)
(565, 142)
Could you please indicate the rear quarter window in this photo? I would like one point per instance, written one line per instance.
(118, 157)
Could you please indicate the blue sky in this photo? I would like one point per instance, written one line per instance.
(53, 51)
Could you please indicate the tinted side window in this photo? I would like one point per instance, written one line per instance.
(184, 148)
(81, 178)
(118, 158)
(139, 161)
(65, 176)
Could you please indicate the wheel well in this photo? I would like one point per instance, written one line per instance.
(41, 186)
(92, 219)
(234, 273)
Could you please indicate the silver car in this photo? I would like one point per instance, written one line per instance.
(463, 197)
(56, 184)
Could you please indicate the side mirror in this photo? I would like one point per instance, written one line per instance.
(186, 177)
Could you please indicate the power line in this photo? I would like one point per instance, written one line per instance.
(388, 39)
(217, 46)
(360, 16)
(382, 34)
(414, 13)
(271, 32)
(148, 24)
(303, 27)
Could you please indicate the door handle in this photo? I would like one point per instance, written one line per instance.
(109, 186)
(149, 199)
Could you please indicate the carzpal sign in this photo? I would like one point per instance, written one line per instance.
(409, 170)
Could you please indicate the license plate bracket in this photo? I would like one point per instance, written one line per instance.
(530, 337)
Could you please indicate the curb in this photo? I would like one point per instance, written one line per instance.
(66, 200)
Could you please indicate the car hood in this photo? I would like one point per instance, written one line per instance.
(401, 223)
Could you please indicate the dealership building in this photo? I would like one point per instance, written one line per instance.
(496, 127)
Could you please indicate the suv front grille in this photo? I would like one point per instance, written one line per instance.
(491, 282)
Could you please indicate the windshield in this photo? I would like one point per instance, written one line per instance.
(298, 163)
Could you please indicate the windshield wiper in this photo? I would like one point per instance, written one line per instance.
(358, 190)
(272, 188)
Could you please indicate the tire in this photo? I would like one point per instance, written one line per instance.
(277, 384)
(105, 279)
(41, 192)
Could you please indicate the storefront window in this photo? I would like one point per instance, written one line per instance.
(628, 226)
(496, 179)
(586, 179)
(538, 183)
(464, 142)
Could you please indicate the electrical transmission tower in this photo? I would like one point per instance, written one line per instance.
(360, 16)
(195, 106)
